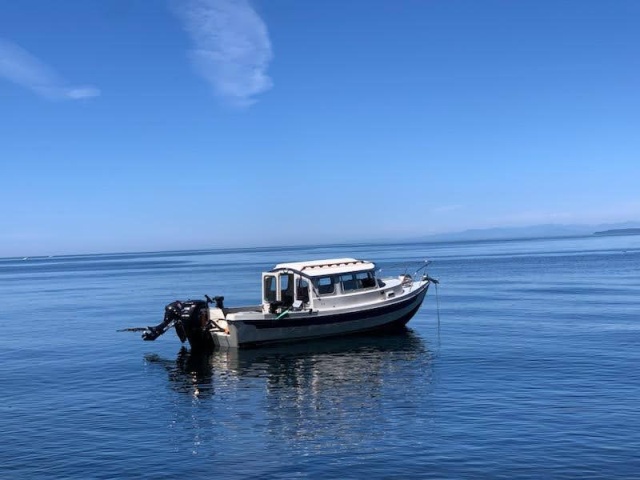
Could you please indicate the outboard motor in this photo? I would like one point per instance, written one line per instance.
(172, 314)
(190, 319)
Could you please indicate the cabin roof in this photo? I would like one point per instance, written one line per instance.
(332, 266)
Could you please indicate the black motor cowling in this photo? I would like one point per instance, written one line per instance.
(189, 318)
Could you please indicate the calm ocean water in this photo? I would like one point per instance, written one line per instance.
(533, 370)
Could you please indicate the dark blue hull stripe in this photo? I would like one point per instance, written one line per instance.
(311, 319)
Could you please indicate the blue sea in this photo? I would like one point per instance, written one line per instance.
(526, 364)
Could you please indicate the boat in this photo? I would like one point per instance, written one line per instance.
(301, 301)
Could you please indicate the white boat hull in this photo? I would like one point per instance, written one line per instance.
(267, 329)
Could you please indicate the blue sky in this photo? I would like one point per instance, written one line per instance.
(135, 125)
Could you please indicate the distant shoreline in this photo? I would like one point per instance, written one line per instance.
(619, 231)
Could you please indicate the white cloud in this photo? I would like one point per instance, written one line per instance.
(20, 67)
(83, 92)
(231, 50)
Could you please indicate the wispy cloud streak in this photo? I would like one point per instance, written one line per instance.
(22, 68)
(231, 50)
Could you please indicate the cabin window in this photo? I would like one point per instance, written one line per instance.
(366, 279)
(270, 288)
(302, 292)
(348, 282)
(286, 288)
(325, 285)
(357, 281)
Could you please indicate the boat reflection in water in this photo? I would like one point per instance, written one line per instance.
(353, 358)
(190, 374)
(320, 390)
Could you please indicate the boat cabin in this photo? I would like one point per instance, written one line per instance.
(310, 285)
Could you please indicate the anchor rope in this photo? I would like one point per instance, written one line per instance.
(438, 305)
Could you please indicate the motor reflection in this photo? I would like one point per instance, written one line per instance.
(188, 373)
